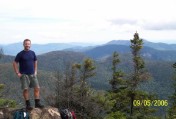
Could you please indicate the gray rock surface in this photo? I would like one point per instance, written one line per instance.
(36, 113)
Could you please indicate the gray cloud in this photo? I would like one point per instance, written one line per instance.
(160, 26)
(30, 19)
(148, 25)
(123, 21)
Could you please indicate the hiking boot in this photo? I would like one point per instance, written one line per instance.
(29, 108)
(37, 104)
(28, 105)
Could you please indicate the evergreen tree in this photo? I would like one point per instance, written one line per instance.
(136, 46)
(139, 75)
(118, 94)
(172, 109)
(73, 91)
(124, 92)
(117, 81)
(64, 88)
(1, 88)
(5, 102)
(87, 70)
(1, 53)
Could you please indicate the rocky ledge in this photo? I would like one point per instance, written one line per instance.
(36, 113)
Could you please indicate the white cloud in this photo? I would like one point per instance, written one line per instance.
(161, 25)
(85, 20)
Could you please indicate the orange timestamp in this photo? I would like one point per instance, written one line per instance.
(155, 103)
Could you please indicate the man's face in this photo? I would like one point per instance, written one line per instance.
(27, 45)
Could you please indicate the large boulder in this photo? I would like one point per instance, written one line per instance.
(36, 113)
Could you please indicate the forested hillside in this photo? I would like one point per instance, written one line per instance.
(157, 46)
(149, 53)
(158, 64)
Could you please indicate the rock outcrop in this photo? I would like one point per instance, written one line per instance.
(36, 113)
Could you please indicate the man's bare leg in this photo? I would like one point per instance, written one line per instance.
(37, 98)
(26, 97)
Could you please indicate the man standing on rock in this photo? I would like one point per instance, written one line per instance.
(27, 72)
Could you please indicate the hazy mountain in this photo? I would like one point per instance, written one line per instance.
(105, 51)
(158, 63)
(51, 61)
(160, 70)
(13, 49)
(79, 49)
(158, 46)
(59, 60)
(118, 42)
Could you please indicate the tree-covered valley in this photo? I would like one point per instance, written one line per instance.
(57, 68)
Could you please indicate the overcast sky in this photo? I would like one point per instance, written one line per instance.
(92, 21)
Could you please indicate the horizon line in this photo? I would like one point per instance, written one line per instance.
(90, 43)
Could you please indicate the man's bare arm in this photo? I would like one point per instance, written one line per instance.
(15, 66)
(35, 68)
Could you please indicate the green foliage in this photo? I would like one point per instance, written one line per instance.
(124, 92)
(58, 60)
(137, 77)
(87, 69)
(159, 65)
(1, 87)
(7, 103)
(172, 112)
(136, 44)
(117, 81)
(172, 109)
(116, 115)
(1, 53)
(73, 90)
(117, 96)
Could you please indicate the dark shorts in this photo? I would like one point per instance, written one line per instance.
(29, 81)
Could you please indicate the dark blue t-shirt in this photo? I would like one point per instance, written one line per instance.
(26, 61)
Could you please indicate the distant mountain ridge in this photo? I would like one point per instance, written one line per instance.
(159, 58)
(13, 49)
(158, 46)
(107, 50)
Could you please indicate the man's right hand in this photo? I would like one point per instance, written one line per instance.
(19, 75)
